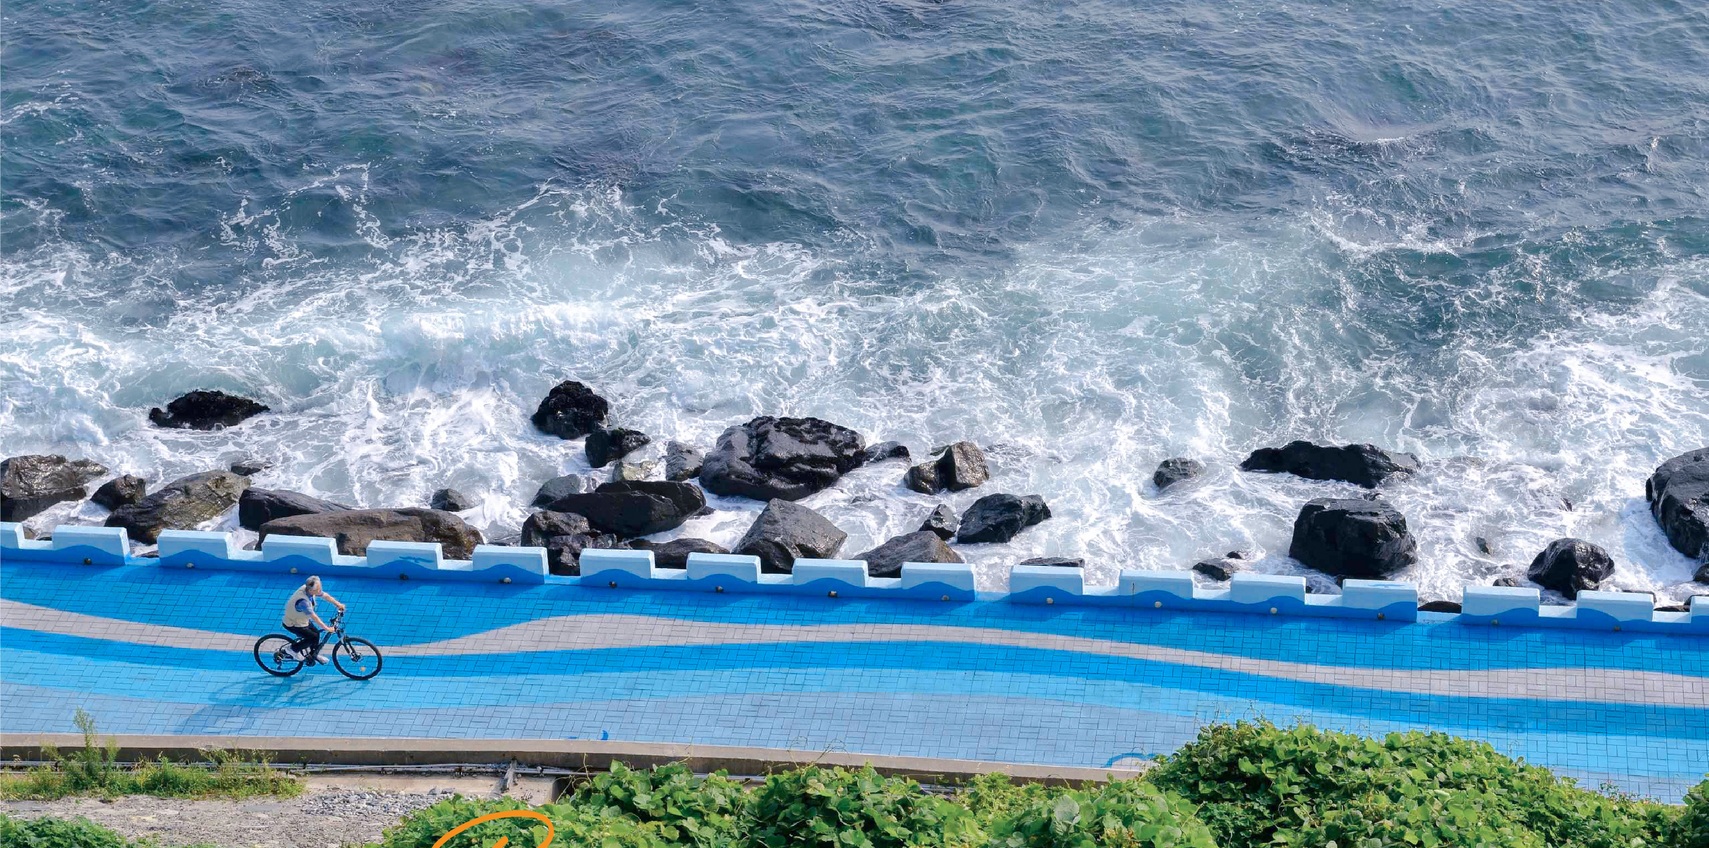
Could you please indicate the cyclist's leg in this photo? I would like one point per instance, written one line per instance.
(308, 639)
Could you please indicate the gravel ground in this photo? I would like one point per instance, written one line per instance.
(329, 814)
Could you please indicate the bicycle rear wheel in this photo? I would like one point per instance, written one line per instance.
(357, 659)
(270, 655)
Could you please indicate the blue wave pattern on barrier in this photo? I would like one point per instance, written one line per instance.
(1085, 681)
(1370, 600)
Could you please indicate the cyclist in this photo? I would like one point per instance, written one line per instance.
(300, 615)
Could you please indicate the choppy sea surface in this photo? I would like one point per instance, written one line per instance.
(1088, 235)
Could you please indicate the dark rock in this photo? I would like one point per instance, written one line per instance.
(570, 411)
(674, 554)
(883, 451)
(259, 506)
(999, 518)
(632, 508)
(942, 522)
(959, 467)
(1509, 582)
(781, 458)
(1570, 566)
(180, 505)
(564, 553)
(356, 528)
(682, 462)
(564, 535)
(920, 546)
(30, 484)
(1440, 606)
(560, 487)
(962, 467)
(205, 411)
(119, 491)
(545, 525)
(1176, 470)
(1482, 545)
(452, 500)
(604, 445)
(1353, 538)
(922, 478)
(1679, 499)
(249, 467)
(1702, 575)
(785, 532)
(1218, 568)
(1366, 465)
(1055, 562)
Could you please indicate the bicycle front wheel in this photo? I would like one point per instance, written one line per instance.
(271, 655)
(357, 659)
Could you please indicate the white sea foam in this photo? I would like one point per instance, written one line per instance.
(1080, 368)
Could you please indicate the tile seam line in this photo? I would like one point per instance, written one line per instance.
(599, 630)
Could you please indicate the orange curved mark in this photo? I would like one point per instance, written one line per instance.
(501, 814)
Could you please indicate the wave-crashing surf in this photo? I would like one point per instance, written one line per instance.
(1087, 242)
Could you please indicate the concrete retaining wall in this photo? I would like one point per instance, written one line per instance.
(1261, 594)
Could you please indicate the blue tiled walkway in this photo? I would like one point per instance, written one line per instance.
(981, 680)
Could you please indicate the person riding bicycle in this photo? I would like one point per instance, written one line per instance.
(300, 615)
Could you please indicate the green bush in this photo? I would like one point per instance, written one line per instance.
(694, 811)
(1691, 828)
(1121, 814)
(1237, 786)
(1258, 784)
(840, 808)
(57, 833)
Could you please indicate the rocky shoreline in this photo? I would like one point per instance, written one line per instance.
(654, 487)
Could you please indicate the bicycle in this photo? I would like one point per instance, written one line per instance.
(357, 659)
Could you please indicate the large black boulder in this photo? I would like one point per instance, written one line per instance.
(571, 411)
(121, 490)
(559, 487)
(632, 508)
(961, 466)
(674, 554)
(30, 484)
(180, 505)
(785, 532)
(1366, 465)
(258, 506)
(781, 458)
(546, 524)
(919, 546)
(564, 535)
(604, 445)
(1679, 498)
(564, 553)
(201, 410)
(1353, 538)
(1570, 566)
(355, 529)
(999, 518)
(1174, 470)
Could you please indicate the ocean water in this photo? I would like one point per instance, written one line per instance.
(1087, 235)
